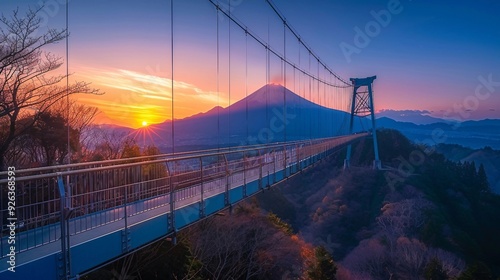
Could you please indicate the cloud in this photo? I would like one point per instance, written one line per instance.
(161, 88)
(134, 97)
(146, 85)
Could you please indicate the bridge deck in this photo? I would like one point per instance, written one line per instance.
(98, 237)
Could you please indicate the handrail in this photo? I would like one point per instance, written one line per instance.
(140, 160)
(172, 156)
(97, 196)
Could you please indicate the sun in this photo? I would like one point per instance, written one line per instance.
(144, 123)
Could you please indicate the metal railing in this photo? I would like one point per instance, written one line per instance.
(55, 204)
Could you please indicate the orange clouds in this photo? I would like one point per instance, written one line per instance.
(133, 98)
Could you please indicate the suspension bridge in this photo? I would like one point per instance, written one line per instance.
(71, 219)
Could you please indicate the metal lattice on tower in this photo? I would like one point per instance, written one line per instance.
(362, 106)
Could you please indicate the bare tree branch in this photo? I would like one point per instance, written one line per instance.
(26, 89)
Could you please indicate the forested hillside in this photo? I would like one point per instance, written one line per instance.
(486, 156)
(422, 217)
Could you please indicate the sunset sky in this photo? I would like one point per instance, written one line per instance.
(427, 56)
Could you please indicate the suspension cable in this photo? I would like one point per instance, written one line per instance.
(319, 109)
(218, 77)
(172, 82)
(229, 78)
(310, 110)
(67, 82)
(295, 33)
(246, 84)
(274, 52)
(268, 73)
(283, 65)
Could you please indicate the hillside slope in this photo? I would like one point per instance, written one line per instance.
(410, 221)
(488, 157)
(472, 134)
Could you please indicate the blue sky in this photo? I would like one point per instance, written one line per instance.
(428, 57)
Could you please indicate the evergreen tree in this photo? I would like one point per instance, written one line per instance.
(280, 224)
(434, 270)
(476, 271)
(324, 268)
(482, 180)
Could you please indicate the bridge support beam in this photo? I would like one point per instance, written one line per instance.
(202, 191)
(64, 256)
(226, 171)
(362, 106)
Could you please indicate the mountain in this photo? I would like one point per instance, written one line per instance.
(262, 117)
(212, 112)
(473, 134)
(114, 128)
(259, 118)
(269, 96)
(411, 116)
(272, 95)
(472, 141)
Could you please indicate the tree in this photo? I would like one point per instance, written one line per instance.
(130, 149)
(80, 118)
(245, 245)
(482, 180)
(151, 150)
(49, 135)
(403, 218)
(46, 141)
(280, 224)
(104, 143)
(434, 270)
(477, 270)
(323, 268)
(26, 89)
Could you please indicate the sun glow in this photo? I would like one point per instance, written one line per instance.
(144, 123)
(133, 97)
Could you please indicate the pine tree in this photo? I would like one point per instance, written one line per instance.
(434, 270)
(482, 180)
(476, 271)
(323, 268)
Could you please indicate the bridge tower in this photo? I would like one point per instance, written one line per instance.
(362, 106)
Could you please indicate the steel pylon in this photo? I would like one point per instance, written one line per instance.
(362, 106)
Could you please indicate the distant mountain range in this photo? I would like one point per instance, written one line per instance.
(262, 117)
(472, 134)
(473, 141)
(413, 116)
